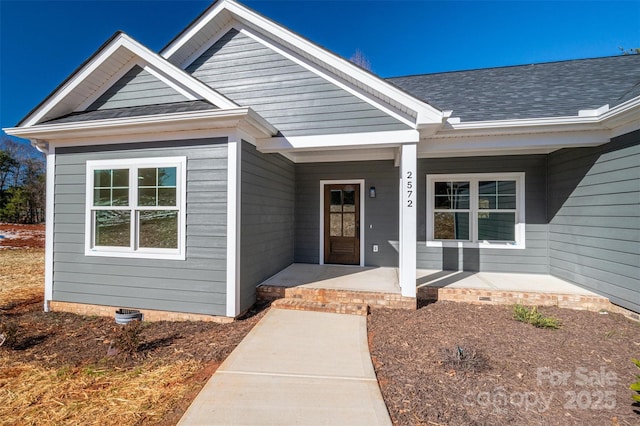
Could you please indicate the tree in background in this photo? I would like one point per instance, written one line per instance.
(22, 183)
(361, 60)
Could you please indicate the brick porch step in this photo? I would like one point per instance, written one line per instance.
(337, 296)
(307, 305)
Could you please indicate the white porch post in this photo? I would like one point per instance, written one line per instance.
(407, 245)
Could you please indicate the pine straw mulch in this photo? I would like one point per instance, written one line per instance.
(57, 370)
(576, 375)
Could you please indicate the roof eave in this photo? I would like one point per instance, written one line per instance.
(621, 116)
(246, 118)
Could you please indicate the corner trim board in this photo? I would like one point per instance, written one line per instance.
(234, 152)
(49, 226)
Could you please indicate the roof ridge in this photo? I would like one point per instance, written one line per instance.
(511, 66)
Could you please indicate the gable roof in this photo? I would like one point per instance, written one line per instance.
(223, 14)
(554, 89)
(110, 62)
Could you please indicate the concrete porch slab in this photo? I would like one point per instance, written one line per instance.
(534, 283)
(350, 278)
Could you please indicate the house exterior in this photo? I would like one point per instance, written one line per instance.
(177, 181)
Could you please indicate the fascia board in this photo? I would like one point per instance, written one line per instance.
(621, 115)
(124, 41)
(505, 144)
(623, 118)
(245, 117)
(337, 141)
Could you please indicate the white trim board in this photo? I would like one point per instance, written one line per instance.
(49, 225)
(234, 163)
(359, 182)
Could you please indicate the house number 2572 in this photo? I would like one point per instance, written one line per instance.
(409, 189)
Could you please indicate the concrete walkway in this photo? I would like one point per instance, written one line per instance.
(295, 368)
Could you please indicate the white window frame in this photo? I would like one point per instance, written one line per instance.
(133, 164)
(474, 179)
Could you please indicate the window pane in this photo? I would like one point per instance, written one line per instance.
(487, 202)
(451, 226)
(101, 197)
(487, 187)
(112, 228)
(443, 202)
(158, 229)
(349, 197)
(496, 226)
(336, 201)
(121, 178)
(506, 202)
(348, 225)
(167, 176)
(335, 225)
(147, 196)
(451, 195)
(507, 187)
(147, 177)
(101, 178)
(104, 182)
(120, 197)
(166, 196)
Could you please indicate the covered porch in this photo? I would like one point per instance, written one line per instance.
(379, 287)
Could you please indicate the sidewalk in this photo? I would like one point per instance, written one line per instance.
(295, 367)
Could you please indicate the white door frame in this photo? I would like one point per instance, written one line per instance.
(359, 182)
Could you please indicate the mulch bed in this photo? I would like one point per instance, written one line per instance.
(576, 375)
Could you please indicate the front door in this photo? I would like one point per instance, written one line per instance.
(342, 224)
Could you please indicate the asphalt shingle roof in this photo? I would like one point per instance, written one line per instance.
(551, 89)
(134, 111)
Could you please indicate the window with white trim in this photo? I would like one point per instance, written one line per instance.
(478, 209)
(136, 208)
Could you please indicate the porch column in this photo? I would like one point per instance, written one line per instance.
(407, 244)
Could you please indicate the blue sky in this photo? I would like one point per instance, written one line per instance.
(42, 42)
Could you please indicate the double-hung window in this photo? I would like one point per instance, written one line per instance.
(136, 208)
(483, 210)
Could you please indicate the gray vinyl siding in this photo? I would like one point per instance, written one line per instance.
(292, 98)
(267, 219)
(532, 259)
(137, 88)
(381, 213)
(594, 218)
(194, 285)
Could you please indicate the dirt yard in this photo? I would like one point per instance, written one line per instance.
(578, 374)
(58, 368)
